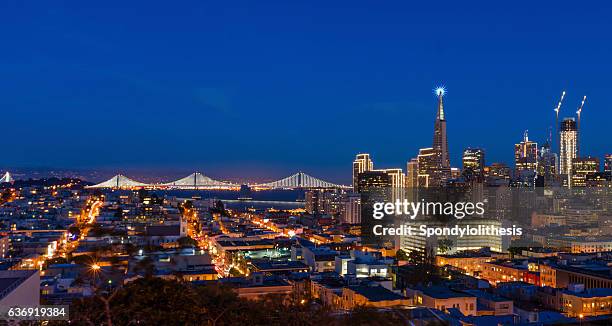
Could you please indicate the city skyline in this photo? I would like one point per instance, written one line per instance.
(306, 163)
(440, 142)
(208, 107)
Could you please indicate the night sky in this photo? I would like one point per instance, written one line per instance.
(263, 89)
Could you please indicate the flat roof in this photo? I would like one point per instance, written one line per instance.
(266, 265)
(440, 292)
(487, 296)
(376, 293)
(244, 243)
(592, 293)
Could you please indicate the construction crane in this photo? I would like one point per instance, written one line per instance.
(578, 126)
(580, 110)
(557, 109)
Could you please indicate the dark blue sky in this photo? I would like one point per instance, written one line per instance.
(239, 88)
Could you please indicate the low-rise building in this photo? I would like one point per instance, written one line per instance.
(491, 304)
(442, 298)
(371, 296)
(257, 286)
(319, 259)
(583, 303)
(469, 262)
(510, 271)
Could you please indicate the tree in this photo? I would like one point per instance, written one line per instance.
(515, 251)
(185, 242)
(74, 230)
(422, 268)
(370, 316)
(163, 302)
(130, 249)
(53, 261)
(445, 245)
(401, 255)
(234, 272)
(146, 266)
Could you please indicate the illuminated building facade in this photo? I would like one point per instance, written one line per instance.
(440, 170)
(498, 170)
(323, 202)
(581, 168)
(547, 166)
(373, 180)
(568, 138)
(396, 177)
(412, 173)
(473, 163)
(526, 155)
(361, 164)
(426, 162)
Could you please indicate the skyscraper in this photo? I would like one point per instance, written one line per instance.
(361, 164)
(374, 181)
(608, 163)
(438, 170)
(373, 186)
(426, 162)
(440, 142)
(473, 163)
(526, 155)
(547, 166)
(412, 173)
(397, 180)
(568, 137)
(396, 177)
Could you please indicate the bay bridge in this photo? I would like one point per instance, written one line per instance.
(6, 178)
(199, 181)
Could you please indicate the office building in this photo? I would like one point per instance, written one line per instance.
(497, 171)
(526, 155)
(373, 180)
(426, 161)
(473, 163)
(548, 164)
(361, 164)
(412, 173)
(440, 170)
(581, 168)
(396, 177)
